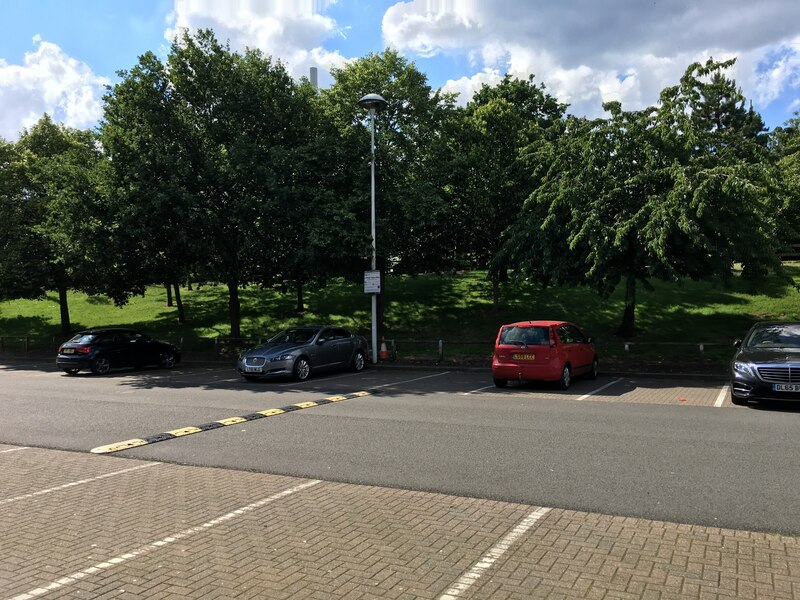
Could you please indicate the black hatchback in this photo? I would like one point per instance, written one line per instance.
(766, 365)
(101, 350)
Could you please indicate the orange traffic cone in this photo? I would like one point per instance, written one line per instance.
(384, 352)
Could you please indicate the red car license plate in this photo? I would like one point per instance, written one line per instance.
(523, 356)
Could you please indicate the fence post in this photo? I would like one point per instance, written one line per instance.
(216, 345)
(702, 348)
(394, 349)
(627, 346)
(441, 350)
(2, 342)
(25, 344)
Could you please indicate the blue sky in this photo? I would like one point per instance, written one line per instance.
(56, 55)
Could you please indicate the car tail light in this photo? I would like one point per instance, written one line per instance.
(83, 349)
(60, 346)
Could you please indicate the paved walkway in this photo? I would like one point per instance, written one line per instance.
(82, 526)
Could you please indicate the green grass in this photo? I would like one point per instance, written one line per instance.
(457, 309)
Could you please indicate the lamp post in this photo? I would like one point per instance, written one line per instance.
(373, 103)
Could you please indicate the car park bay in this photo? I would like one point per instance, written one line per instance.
(619, 456)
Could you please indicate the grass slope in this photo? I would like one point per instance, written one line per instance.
(424, 309)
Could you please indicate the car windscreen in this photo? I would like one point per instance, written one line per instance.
(528, 336)
(83, 338)
(299, 335)
(775, 336)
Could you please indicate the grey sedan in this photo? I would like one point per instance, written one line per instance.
(298, 351)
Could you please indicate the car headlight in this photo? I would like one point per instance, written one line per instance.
(743, 367)
(281, 357)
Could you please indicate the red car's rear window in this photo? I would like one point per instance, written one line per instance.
(528, 336)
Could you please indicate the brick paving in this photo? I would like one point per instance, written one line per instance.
(333, 540)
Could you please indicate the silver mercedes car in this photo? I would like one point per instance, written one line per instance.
(298, 351)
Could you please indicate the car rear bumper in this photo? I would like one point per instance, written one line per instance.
(529, 372)
(64, 361)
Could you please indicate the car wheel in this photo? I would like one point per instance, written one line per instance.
(595, 369)
(358, 361)
(71, 371)
(101, 365)
(302, 369)
(738, 401)
(566, 378)
(167, 360)
(501, 383)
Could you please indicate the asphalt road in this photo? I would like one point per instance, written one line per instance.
(672, 450)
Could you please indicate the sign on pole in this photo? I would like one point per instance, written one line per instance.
(372, 282)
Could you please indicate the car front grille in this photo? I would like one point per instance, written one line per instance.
(780, 374)
(255, 361)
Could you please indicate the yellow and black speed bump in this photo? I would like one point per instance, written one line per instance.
(183, 431)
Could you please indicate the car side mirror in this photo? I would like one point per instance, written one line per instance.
(737, 343)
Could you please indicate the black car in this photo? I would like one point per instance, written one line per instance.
(766, 365)
(103, 349)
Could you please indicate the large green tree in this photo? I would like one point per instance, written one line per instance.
(414, 226)
(210, 140)
(62, 171)
(685, 189)
(494, 165)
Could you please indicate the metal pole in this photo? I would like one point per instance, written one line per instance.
(374, 246)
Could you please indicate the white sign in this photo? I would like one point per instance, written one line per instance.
(372, 282)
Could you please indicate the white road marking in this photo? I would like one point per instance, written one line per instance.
(75, 577)
(14, 449)
(411, 380)
(486, 387)
(600, 389)
(487, 560)
(721, 397)
(74, 483)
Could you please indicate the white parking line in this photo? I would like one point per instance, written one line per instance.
(721, 397)
(75, 577)
(487, 560)
(486, 387)
(74, 483)
(14, 449)
(411, 380)
(600, 389)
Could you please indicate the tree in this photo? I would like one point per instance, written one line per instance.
(219, 130)
(22, 253)
(494, 170)
(61, 168)
(414, 229)
(685, 189)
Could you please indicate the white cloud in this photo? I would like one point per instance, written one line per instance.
(587, 52)
(52, 82)
(290, 31)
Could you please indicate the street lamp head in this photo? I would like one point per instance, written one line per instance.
(372, 102)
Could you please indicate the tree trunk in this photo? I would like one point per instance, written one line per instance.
(234, 308)
(179, 304)
(300, 307)
(627, 328)
(66, 326)
(169, 294)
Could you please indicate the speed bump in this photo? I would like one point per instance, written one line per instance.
(184, 431)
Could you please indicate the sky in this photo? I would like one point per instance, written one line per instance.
(57, 56)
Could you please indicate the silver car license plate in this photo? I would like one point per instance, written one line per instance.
(786, 387)
(253, 369)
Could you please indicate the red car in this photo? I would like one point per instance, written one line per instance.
(542, 351)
